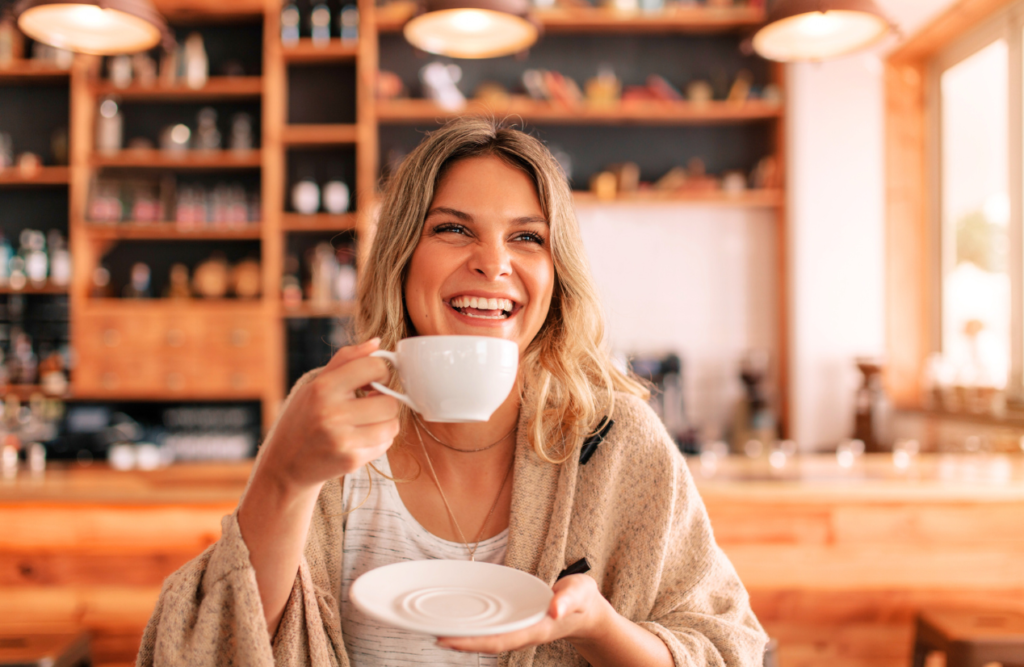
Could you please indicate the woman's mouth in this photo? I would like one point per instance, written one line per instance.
(484, 308)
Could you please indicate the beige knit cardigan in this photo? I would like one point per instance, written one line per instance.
(632, 511)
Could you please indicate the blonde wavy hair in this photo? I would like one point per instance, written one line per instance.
(567, 373)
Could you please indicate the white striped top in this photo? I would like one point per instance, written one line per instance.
(380, 532)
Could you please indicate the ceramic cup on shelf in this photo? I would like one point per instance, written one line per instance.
(453, 378)
(336, 197)
(306, 196)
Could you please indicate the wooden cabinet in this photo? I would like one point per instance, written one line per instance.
(171, 350)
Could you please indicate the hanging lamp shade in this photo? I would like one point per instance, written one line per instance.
(472, 28)
(97, 27)
(813, 30)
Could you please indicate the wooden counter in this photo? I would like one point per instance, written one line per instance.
(836, 560)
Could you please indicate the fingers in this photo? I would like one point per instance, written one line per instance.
(372, 436)
(373, 410)
(350, 352)
(354, 374)
(541, 633)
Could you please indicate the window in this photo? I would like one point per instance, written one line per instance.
(979, 328)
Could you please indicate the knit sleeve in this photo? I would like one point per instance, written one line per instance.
(702, 611)
(210, 612)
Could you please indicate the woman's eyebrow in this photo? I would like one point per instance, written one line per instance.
(450, 211)
(526, 219)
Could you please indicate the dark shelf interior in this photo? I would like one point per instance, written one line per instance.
(678, 58)
(160, 255)
(31, 114)
(322, 94)
(322, 165)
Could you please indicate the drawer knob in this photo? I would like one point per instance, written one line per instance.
(175, 338)
(239, 337)
(175, 381)
(111, 337)
(238, 380)
(109, 380)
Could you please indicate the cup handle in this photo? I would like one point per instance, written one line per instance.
(393, 358)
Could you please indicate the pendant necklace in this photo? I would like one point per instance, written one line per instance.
(451, 515)
(456, 449)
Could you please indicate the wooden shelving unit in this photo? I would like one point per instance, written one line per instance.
(283, 139)
(168, 231)
(307, 52)
(319, 135)
(13, 177)
(627, 113)
(217, 88)
(319, 222)
(308, 310)
(188, 159)
(26, 70)
(35, 289)
(746, 198)
(687, 20)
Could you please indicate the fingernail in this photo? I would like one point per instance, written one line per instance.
(372, 341)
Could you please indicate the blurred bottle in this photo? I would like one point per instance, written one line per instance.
(109, 127)
(320, 24)
(873, 412)
(197, 65)
(138, 286)
(754, 421)
(348, 23)
(290, 20)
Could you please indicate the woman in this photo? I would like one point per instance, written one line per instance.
(477, 236)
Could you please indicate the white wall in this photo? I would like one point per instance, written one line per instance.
(836, 218)
(695, 280)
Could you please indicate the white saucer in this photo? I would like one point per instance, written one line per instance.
(451, 598)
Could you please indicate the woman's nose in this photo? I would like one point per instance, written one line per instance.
(491, 260)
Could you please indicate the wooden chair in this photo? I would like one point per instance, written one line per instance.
(38, 650)
(970, 638)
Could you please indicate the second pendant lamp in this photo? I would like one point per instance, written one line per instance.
(472, 28)
(814, 30)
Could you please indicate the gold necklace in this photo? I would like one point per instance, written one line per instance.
(464, 451)
(451, 515)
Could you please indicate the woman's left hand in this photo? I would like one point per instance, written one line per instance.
(577, 612)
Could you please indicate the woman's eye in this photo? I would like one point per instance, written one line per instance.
(530, 237)
(449, 227)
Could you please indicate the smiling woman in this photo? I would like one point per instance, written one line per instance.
(572, 479)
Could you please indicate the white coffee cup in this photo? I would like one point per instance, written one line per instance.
(453, 378)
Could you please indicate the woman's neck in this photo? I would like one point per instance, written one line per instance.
(497, 435)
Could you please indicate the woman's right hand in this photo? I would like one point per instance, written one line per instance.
(326, 431)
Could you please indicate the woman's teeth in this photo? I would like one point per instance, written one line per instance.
(483, 308)
(481, 303)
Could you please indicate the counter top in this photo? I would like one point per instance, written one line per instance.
(184, 483)
(872, 477)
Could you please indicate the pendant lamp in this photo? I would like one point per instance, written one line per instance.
(814, 30)
(472, 28)
(97, 27)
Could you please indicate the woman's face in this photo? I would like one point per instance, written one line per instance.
(483, 263)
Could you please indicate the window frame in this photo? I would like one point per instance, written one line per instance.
(1008, 25)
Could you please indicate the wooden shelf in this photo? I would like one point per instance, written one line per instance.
(155, 158)
(307, 52)
(25, 70)
(26, 391)
(694, 20)
(744, 199)
(216, 88)
(169, 231)
(44, 176)
(318, 222)
(29, 289)
(309, 311)
(626, 113)
(318, 135)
